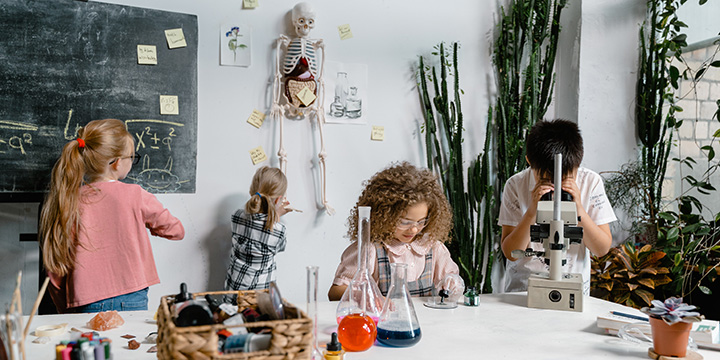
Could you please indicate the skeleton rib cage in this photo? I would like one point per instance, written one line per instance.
(299, 48)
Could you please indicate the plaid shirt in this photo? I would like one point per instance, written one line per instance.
(252, 262)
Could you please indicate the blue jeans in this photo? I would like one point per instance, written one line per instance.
(128, 302)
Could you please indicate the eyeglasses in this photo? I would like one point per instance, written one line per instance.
(136, 159)
(405, 224)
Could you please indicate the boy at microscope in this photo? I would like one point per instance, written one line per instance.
(523, 190)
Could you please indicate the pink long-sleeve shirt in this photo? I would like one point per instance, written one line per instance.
(114, 256)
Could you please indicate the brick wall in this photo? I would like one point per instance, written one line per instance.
(699, 106)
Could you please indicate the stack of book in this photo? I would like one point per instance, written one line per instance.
(705, 333)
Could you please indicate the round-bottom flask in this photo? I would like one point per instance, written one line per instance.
(357, 332)
(398, 325)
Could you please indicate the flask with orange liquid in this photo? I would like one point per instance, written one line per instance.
(362, 292)
(357, 330)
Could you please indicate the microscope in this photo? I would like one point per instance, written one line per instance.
(556, 228)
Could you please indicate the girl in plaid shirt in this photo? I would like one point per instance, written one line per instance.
(257, 233)
(410, 221)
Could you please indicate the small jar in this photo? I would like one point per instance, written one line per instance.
(471, 297)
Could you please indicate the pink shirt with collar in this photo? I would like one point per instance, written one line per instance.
(114, 256)
(412, 254)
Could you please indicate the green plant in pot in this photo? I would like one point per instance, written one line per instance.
(671, 323)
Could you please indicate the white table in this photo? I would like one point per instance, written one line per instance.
(502, 327)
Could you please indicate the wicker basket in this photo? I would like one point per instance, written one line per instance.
(291, 338)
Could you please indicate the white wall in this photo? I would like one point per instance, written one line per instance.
(600, 61)
(388, 37)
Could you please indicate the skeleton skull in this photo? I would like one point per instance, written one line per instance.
(303, 17)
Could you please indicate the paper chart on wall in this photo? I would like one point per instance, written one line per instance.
(346, 89)
(235, 44)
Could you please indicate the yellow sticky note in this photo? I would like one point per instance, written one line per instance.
(250, 4)
(257, 155)
(345, 32)
(256, 119)
(147, 54)
(306, 96)
(175, 38)
(378, 133)
(169, 105)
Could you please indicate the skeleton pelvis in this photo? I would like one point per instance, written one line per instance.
(294, 86)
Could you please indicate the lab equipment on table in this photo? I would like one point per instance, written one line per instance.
(556, 228)
(363, 289)
(398, 325)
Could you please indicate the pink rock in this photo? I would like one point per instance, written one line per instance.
(105, 320)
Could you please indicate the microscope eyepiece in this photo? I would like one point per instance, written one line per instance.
(564, 196)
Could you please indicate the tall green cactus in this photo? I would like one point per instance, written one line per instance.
(525, 84)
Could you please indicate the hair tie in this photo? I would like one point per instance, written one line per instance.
(258, 194)
(81, 143)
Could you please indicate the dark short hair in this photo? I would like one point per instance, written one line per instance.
(547, 138)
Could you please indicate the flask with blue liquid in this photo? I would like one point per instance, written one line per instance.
(398, 325)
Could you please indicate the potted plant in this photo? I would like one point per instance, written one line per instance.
(671, 323)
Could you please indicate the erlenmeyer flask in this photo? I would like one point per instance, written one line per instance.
(398, 325)
(363, 291)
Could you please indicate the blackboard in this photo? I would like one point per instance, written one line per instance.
(66, 62)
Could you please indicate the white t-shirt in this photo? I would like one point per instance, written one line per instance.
(515, 201)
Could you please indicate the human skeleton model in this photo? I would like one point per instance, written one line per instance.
(298, 87)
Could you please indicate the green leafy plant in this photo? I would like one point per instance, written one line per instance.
(629, 276)
(675, 226)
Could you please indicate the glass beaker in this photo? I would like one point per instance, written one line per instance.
(398, 325)
(341, 88)
(356, 331)
(362, 292)
(312, 303)
(353, 104)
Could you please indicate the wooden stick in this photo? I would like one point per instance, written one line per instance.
(35, 307)
(8, 326)
(16, 293)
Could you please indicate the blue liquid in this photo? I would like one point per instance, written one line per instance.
(398, 338)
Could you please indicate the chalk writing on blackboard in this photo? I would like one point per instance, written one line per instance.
(87, 69)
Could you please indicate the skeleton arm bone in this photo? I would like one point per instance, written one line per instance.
(277, 112)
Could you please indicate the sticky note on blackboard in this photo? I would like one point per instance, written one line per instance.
(256, 118)
(169, 105)
(147, 54)
(250, 4)
(345, 32)
(306, 96)
(378, 133)
(257, 155)
(175, 38)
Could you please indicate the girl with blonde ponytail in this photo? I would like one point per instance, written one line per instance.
(257, 233)
(94, 241)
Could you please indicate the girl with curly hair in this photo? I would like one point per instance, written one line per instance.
(410, 220)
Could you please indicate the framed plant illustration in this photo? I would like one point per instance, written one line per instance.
(235, 45)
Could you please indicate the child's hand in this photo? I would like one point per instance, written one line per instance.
(541, 188)
(569, 185)
(454, 285)
(281, 206)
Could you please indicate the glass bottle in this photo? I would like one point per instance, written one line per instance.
(312, 303)
(363, 292)
(341, 88)
(398, 325)
(337, 109)
(357, 331)
(353, 105)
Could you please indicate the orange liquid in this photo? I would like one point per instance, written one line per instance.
(357, 332)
